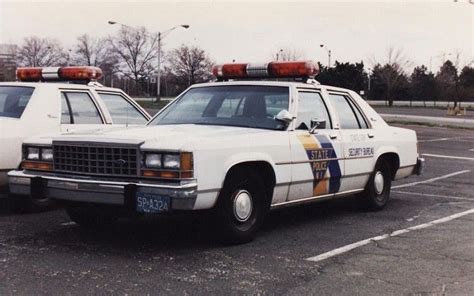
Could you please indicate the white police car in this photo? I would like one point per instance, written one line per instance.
(239, 148)
(37, 106)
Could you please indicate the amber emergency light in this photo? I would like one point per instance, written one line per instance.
(294, 69)
(75, 73)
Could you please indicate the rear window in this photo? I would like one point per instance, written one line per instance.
(13, 100)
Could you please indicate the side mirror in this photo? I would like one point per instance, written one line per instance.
(317, 124)
(284, 116)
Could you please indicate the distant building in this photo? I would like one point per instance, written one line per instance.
(7, 62)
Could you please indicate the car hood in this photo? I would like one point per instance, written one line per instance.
(174, 137)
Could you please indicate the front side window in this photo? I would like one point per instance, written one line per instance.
(121, 110)
(347, 118)
(13, 100)
(311, 106)
(234, 105)
(82, 109)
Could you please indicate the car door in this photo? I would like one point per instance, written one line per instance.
(357, 140)
(122, 110)
(317, 164)
(79, 111)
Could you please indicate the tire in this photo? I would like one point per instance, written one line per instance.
(241, 207)
(92, 218)
(377, 191)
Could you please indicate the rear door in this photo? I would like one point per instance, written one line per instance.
(79, 111)
(317, 165)
(358, 140)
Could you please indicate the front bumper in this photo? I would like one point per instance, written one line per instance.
(119, 193)
(420, 166)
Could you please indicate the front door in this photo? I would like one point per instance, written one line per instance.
(317, 164)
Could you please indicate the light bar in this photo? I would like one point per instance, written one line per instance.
(298, 69)
(75, 73)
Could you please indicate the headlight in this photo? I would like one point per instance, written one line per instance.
(32, 153)
(153, 160)
(171, 161)
(47, 154)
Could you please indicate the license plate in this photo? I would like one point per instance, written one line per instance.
(152, 203)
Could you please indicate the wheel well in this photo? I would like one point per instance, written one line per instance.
(263, 168)
(393, 160)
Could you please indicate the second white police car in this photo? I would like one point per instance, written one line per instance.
(238, 148)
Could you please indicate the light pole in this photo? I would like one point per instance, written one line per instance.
(369, 76)
(161, 35)
(329, 54)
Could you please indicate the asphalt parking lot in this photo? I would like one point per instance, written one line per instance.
(47, 254)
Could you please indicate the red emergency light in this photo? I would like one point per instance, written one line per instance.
(75, 73)
(293, 69)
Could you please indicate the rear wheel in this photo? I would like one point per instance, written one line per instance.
(91, 218)
(377, 191)
(241, 207)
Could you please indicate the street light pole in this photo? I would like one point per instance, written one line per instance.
(329, 54)
(160, 36)
(158, 70)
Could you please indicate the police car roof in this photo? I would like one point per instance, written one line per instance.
(299, 84)
(61, 85)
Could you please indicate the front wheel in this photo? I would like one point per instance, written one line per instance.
(241, 207)
(377, 191)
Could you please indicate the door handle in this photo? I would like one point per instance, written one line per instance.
(333, 136)
(371, 135)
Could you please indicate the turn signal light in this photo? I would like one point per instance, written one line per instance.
(37, 165)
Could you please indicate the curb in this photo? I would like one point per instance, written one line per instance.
(429, 120)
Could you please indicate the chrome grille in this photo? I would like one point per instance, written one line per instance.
(96, 159)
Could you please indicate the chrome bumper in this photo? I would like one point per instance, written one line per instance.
(183, 196)
(420, 166)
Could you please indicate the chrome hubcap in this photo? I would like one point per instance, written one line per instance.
(378, 182)
(242, 205)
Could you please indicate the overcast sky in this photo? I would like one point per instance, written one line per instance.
(253, 31)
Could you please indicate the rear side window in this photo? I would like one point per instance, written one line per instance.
(81, 108)
(347, 117)
(13, 100)
(121, 110)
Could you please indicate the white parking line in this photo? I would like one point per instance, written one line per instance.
(68, 223)
(364, 242)
(435, 195)
(448, 156)
(431, 180)
(434, 140)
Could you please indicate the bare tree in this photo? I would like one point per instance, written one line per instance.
(91, 51)
(392, 73)
(41, 52)
(136, 49)
(190, 64)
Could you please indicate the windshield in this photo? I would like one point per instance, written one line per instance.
(13, 100)
(235, 105)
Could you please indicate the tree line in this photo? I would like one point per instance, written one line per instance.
(389, 81)
(128, 60)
